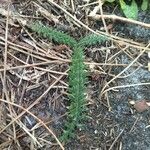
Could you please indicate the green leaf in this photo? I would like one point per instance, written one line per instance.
(130, 11)
(144, 5)
(110, 1)
(92, 39)
(77, 74)
(53, 34)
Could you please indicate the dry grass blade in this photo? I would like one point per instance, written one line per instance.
(103, 90)
(34, 76)
(112, 37)
(32, 105)
(40, 121)
(114, 17)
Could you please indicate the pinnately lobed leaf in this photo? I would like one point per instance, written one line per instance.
(53, 34)
(77, 74)
(92, 39)
(77, 80)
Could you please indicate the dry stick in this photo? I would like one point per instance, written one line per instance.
(125, 86)
(122, 50)
(116, 139)
(40, 121)
(108, 64)
(42, 69)
(4, 144)
(129, 55)
(38, 125)
(48, 122)
(19, 50)
(85, 26)
(103, 19)
(72, 4)
(49, 62)
(6, 46)
(25, 129)
(137, 119)
(88, 4)
(19, 47)
(33, 104)
(103, 90)
(5, 65)
(36, 57)
(60, 61)
(108, 102)
(31, 65)
(114, 17)
(129, 74)
(115, 38)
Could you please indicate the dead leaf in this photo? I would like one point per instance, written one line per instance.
(61, 48)
(141, 105)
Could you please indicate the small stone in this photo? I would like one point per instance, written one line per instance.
(132, 102)
(95, 131)
(97, 121)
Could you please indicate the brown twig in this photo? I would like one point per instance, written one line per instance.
(115, 17)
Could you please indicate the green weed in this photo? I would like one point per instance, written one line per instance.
(77, 74)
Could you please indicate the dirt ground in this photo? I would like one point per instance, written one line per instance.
(34, 78)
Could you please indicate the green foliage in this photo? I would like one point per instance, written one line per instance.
(144, 5)
(77, 80)
(92, 39)
(77, 74)
(53, 34)
(131, 11)
(110, 1)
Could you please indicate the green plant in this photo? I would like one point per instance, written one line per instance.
(131, 10)
(77, 74)
(53, 34)
(77, 80)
